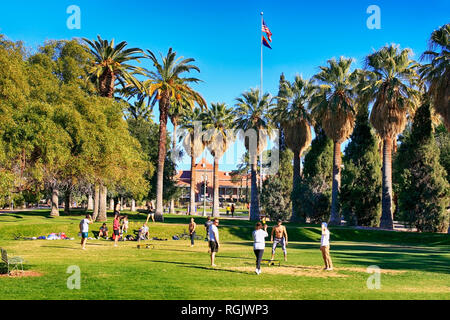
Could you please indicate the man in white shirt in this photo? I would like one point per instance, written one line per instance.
(259, 243)
(325, 247)
(84, 230)
(213, 235)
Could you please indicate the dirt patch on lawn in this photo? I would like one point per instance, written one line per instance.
(20, 274)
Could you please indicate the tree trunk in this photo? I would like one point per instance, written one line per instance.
(254, 206)
(174, 146)
(335, 218)
(90, 204)
(102, 217)
(111, 204)
(133, 205)
(386, 221)
(96, 201)
(193, 182)
(163, 109)
(55, 203)
(295, 181)
(67, 202)
(216, 212)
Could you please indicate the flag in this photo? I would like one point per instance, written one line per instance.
(266, 43)
(266, 30)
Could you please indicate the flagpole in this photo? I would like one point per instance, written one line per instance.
(261, 88)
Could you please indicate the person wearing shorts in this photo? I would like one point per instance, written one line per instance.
(192, 227)
(116, 228)
(279, 237)
(214, 240)
(84, 230)
(325, 247)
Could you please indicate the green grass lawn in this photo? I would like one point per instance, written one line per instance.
(414, 266)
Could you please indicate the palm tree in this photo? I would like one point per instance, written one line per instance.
(110, 64)
(252, 113)
(392, 78)
(219, 122)
(436, 73)
(332, 106)
(166, 84)
(193, 143)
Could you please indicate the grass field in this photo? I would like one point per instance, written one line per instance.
(413, 266)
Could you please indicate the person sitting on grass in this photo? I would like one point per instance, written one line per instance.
(84, 230)
(325, 247)
(143, 232)
(103, 232)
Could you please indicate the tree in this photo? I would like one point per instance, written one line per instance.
(219, 122)
(164, 85)
(333, 107)
(436, 73)
(361, 177)
(292, 114)
(442, 137)
(313, 194)
(252, 117)
(391, 87)
(423, 191)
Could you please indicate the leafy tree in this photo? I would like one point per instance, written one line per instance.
(442, 137)
(313, 194)
(423, 191)
(361, 177)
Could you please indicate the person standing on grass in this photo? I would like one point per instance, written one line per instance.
(124, 226)
(214, 240)
(150, 210)
(232, 210)
(192, 227)
(84, 230)
(259, 243)
(281, 238)
(116, 228)
(325, 247)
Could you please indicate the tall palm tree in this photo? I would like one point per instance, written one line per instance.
(293, 116)
(110, 63)
(437, 72)
(392, 80)
(166, 84)
(252, 112)
(219, 122)
(194, 145)
(333, 107)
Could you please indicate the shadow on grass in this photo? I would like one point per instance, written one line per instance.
(389, 257)
(197, 266)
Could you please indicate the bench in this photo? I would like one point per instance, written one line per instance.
(12, 263)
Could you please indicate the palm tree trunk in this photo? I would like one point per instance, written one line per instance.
(102, 204)
(386, 221)
(216, 212)
(96, 201)
(174, 145)
(193, 182)
(254, 206)
(296, 180)
(133, 205)
(55, 201)
(335, 218)
(163, 109)
(111, 204)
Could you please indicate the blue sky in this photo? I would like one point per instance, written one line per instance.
(224, 36)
